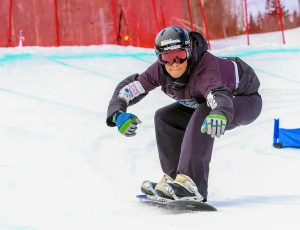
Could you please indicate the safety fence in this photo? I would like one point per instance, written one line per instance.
(136, 22)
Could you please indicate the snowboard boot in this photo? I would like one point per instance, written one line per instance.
(182, 187)
(147, 187)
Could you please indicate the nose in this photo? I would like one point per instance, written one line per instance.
(175, 64)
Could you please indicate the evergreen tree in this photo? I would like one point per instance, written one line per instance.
(231, 25)
(252, 25)
(295, 19)
(272, 9)
(260, 22)
(272, 15)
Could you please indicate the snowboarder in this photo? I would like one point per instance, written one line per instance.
(212, 94)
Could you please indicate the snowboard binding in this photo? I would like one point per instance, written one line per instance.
(182, 188)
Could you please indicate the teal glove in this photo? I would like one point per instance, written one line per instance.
(214, 125)
(126, 123)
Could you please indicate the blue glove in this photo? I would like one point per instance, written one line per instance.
(214, 125)
(126, 123)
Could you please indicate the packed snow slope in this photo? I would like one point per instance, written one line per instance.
(62, 168)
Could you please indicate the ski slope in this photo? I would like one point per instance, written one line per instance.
(62, 168)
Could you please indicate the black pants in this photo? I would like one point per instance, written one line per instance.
(183, 149)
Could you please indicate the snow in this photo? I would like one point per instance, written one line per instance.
(62, 168)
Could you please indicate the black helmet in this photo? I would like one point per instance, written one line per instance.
(171, 38)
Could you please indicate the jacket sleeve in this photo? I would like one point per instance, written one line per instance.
(128, 92)
(218, 96)
(131, 90)
(249, 82)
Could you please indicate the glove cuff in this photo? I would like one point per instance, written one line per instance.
(115, 116)
(217, 116)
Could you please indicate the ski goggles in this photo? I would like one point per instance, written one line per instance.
(174, 56)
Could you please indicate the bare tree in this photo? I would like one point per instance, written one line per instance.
(243, 13)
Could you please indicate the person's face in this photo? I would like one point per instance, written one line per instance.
(175, 62)
(176, 69)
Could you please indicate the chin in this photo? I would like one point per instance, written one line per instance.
(176, 75)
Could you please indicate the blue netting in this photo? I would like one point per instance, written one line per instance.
(289, 137)
(285, 137)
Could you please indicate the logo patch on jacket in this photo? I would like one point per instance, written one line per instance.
(188, 103)
(211, 102)
(131, 91)
(135, 90)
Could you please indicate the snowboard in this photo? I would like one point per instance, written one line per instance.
(181, 203)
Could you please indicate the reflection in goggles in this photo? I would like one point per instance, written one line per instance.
(178, 56)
